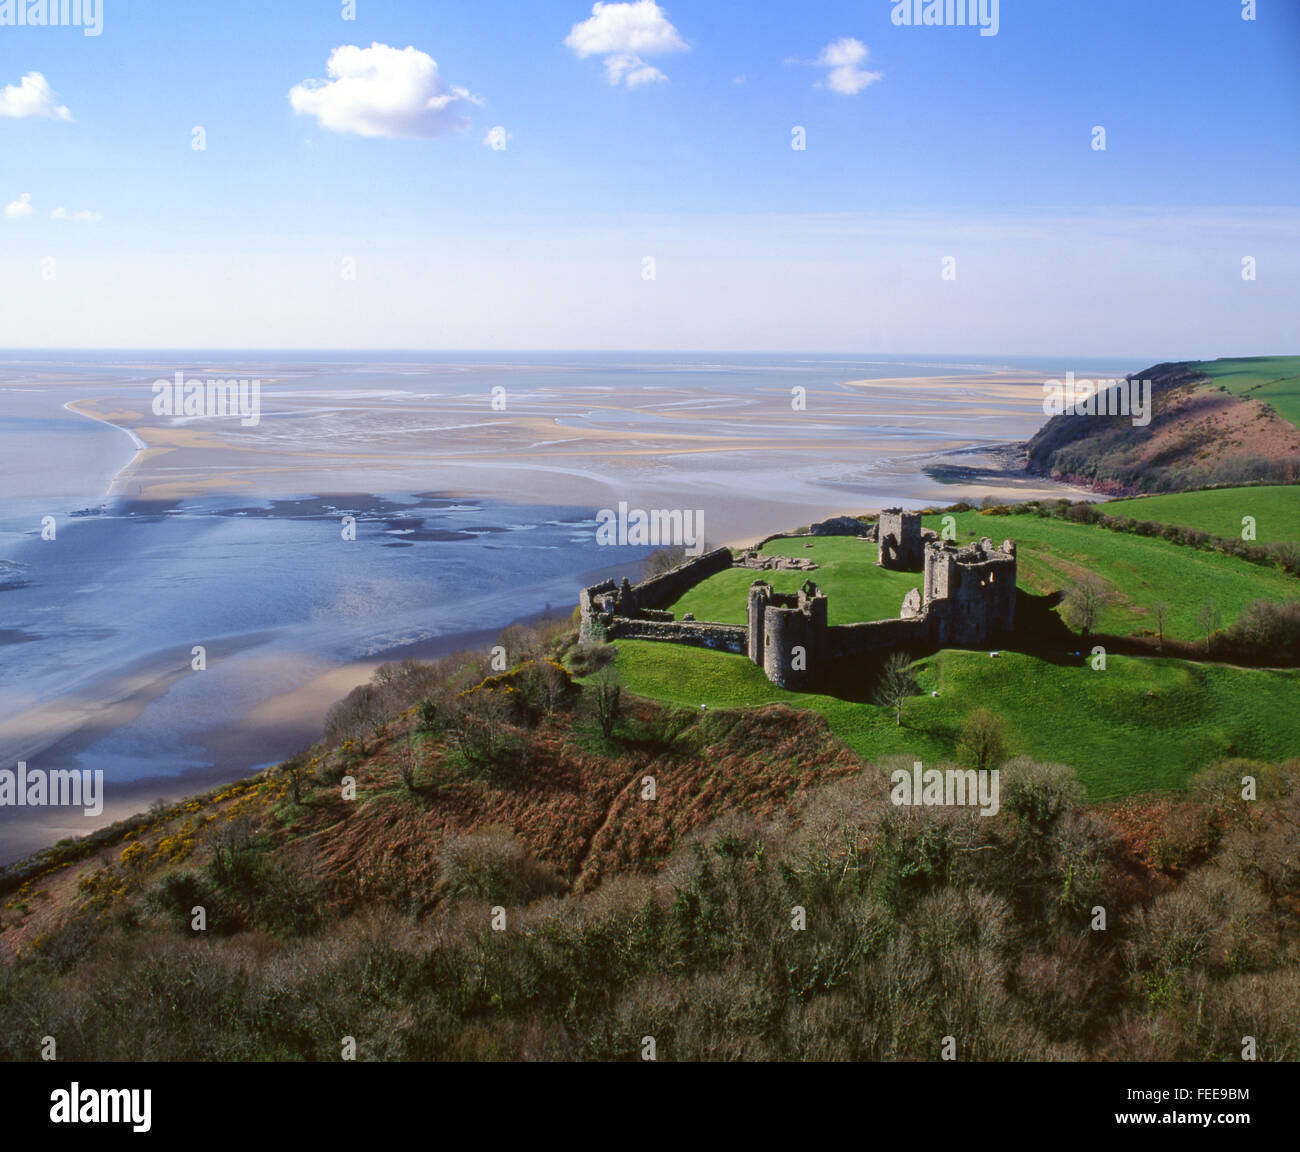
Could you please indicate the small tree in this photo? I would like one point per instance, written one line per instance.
(408, 761)
(1084, 602)
(293, 769)
(662, 560)
(428, 716)
(480, 726)
(896, 684)
(607, 694)
(982, 744)
(1209, 619)
(1160, 614)
(359, 715)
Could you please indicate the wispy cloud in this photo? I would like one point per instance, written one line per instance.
(843, 60)
(83, 216)
(20, 207)
(843, 57)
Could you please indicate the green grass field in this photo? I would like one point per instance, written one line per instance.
(856, 588)
(1119, 739)
(1273, 379)
(1219, 511)
(1053, 553)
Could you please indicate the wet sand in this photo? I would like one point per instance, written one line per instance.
(272, 731)
(751, 461)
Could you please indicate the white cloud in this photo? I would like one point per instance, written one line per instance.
(497, 138)
(842, 57)
(32, 96)
(625, 34)
(383, 91)
(20, 207)
(80, 217)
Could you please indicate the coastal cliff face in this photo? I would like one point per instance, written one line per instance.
(1200, 434)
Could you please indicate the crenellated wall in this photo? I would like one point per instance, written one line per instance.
(671, 585)
(602, 604)
(967, 598)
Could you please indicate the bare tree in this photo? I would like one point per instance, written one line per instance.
(1084, 603)
(548, 682)
(896, 684)
(479, 723)
(1209, 619)
(360, 714)
(663, 560)
(408, 761)
(1160, 614)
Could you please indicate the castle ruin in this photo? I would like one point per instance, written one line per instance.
(967, 598)
(899, 538)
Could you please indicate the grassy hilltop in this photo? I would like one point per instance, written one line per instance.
(1149, 722)
(1214, 422)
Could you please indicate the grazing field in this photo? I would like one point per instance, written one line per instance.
(856, 588)
(1141, 725)
(1272, 379)
(1276, 509)
(1139, 571)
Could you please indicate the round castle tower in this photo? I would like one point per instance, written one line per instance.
(787, 634)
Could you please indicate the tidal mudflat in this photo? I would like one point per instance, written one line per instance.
(471, 485)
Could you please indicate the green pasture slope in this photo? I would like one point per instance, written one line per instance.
(1119, 739)
(856, 588)
(1140, 571)
(1219, 511)
(1272, 379)
(1141, 725)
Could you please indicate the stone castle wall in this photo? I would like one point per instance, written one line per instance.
(967, 598)
(668, 587)
(603, 604)
(721, 637)
(848, 640)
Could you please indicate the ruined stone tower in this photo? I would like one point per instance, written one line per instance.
(787, 634)
(899, 540)
(971, 590)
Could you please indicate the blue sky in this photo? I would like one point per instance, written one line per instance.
(975, 148)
